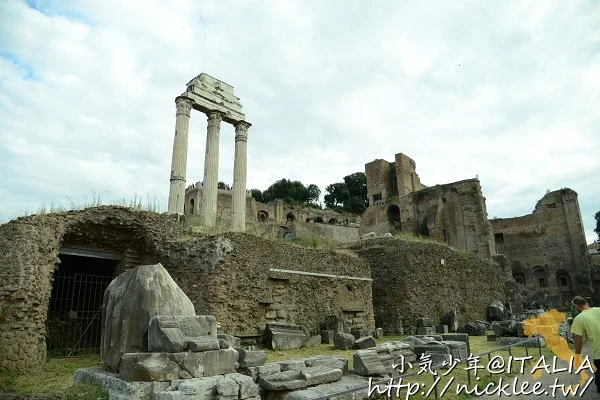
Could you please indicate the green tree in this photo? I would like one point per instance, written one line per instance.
(350, 195)
(223, 185)
(293, 192)
(257, 194)
(597, 230)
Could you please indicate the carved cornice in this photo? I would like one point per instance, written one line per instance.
(241, 131)
(184, 105)
(214, 118)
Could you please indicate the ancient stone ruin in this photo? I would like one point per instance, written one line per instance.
(216, 99)
(154, 346)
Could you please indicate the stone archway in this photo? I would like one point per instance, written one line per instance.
(540, 276)
(563, 281)
(393, 215)
(262, 216)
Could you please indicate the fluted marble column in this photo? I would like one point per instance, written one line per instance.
(179, 161)
(238, 201)
(211, 170)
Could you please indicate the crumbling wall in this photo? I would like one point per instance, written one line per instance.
(233, 277)
(414, 279)
(29, 255)
(547, 250)
(227, 276)
(331, 232)
(454, 213)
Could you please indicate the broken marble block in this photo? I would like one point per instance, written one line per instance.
(233, 341)
(158, 367)
(173, 334)
(284, 336)
(250, 358)
(382, 359)
(343, 341)
(459, 337)
(300, 379)
(365, 342)
(367, 363)
(441, 328)
(327, 361)
(458, 349)
(431, 347)
(425, 330)
(312, 341)
(378, 333)
(131, 300)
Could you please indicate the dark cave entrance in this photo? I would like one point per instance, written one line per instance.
(74, 321)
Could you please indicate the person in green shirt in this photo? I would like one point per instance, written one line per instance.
(587, 325)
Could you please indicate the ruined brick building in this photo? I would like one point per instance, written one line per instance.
(398, 202)
(546, 250)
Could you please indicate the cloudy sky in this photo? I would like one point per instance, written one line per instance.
(505, 91)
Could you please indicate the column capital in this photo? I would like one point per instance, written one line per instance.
(214, 118)
(241, 130)
(184, 105)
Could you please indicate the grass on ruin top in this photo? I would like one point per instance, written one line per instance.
(55, 377)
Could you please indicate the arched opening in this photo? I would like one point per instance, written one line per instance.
(290, 216)
(262, 216)
(424, 228)
(540, 276)
(563, 281)
(519, 277)
(191, 206)
(319, 220)
(91, 255)
(333, 221)
(393, 214)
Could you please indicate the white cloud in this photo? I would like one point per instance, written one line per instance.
(507, 92)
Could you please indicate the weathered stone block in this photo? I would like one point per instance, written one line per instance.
(131, 300)
(247, 388)
(459, 337)
(312, 341)
(203, 344)
(367, 363)
(358, 333)
(425, 330)
(365, 342)
(233, 341)
(217, 362)
(343, 341)
(440, 328)
(294, 379)
(458, 349)
(148, 367)
(327, 361)
(296, 365)
(284, 336)
(249, 358)
(378, 333)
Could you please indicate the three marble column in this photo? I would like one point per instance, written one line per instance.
(211, 167)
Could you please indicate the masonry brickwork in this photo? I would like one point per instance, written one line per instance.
(415, 279)
(547, 250)
(229, 276)
(453, 213)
